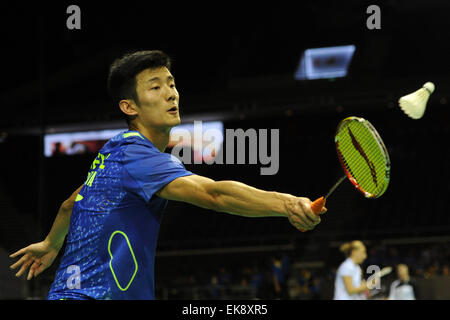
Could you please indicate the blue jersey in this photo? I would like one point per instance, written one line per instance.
(114, 226)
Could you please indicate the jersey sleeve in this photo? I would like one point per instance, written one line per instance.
(147, 170)
(346, 270)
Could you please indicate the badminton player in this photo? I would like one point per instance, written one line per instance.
(112, 220)
(349, 283)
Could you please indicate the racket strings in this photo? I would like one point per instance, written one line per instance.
(363, 157)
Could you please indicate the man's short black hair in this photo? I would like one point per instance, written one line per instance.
(122, 73)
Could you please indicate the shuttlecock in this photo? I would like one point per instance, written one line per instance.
(414, 104)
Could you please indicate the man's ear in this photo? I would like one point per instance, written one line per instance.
(128, 107)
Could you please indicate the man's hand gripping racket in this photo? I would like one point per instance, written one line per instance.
(363, 157)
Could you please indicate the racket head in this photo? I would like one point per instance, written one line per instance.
(363, 156)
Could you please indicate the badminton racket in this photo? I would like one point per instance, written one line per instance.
(383, 272)
(364, 158)
(375, 286)
(377, 276)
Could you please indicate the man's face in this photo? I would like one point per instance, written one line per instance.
(158, 99)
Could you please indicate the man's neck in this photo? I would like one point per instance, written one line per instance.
(160, 138)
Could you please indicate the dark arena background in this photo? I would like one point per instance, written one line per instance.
(238, 66)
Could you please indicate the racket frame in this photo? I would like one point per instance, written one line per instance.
(381, 145)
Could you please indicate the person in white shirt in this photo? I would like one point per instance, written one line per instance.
(402, 288)
(349, 283)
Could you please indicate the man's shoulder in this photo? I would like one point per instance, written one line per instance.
(127, 139)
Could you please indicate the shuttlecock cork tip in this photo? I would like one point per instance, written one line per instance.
(429, 86)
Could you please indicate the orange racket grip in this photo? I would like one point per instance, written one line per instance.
(317, 206)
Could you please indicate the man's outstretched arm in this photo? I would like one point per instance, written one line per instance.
(61, 224)
(240, 199)
(39, 256)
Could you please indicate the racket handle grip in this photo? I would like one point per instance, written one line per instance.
(317, 206)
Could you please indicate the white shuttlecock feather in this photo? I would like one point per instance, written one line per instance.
(414, 104)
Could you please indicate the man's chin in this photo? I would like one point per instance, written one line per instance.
(177, 121)
(174, 123)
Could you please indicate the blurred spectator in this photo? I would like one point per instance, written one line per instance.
(58, 149)
(77, 148)
(403, 288)
(279, 279)
(224, 277)
(244, 291)
(285, 263)
(431, 271)
(315, 287)
(293, 285)
(256, 281)
(214, 289)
